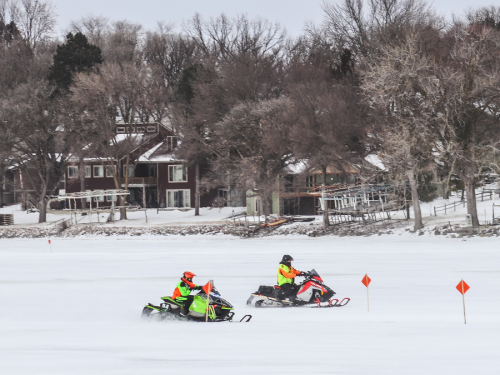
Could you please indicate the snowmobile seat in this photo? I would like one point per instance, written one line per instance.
(277, 287)
(265, 289)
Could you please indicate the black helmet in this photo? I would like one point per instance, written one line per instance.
(287, 259)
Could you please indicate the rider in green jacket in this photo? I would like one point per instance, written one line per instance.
(183, 290)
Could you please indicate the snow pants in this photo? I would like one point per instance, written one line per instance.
(186, 303)
(288, 290)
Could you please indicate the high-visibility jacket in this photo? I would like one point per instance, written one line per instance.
(183, 289)
(286, 274)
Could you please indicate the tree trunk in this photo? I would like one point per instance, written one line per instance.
(197, 191)
(81, 168)
(123, 210)
(415, 200)
(2, 182)
(42, 208)
(471, 199)
(267, 206)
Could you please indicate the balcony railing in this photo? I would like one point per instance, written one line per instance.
(141, 181)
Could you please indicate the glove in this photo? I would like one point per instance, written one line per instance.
(197, 287)
(303, 274)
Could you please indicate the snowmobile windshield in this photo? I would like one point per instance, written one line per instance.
(314, 273)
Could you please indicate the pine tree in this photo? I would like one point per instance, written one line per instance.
(75, 56)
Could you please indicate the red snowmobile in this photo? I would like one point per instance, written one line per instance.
(312, 292)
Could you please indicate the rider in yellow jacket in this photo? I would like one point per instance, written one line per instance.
(286, 276)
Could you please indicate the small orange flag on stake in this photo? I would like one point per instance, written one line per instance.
(463, 288)
(207, 288)
(366, 281)
(50, 244)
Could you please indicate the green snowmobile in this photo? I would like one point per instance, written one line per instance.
(219, 309)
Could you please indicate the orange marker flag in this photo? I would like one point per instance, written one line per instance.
(366, 281)
(207, 288)
(463, 288)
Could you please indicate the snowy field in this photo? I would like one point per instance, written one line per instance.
(134, 218)
(77, 310)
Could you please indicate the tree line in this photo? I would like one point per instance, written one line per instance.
(389, 77)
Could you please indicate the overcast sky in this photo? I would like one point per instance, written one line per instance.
(292, 14)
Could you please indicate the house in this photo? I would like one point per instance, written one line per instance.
(156, 176)
(298, 191)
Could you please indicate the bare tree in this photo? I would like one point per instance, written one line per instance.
(36, 19)
(394, 83)
(364, 25)
(465, 94)
(113, 94)
(253, 143)
(40, 146)
(226, 38)
(95, 28)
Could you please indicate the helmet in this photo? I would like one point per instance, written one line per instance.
(287, 259)
(188, 275)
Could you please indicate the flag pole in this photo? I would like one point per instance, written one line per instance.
(463, 301)
(368, 297)
(209, 289)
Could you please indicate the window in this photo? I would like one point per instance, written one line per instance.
(151, 128)
(110, 198)
(88, 171)
(98, 170)
(309, 181)
(110, 169)
(171, 142)
(177, 173)
(73, 171)
(130, 170)
(140, 129)
(120, 129)
(222, 196)
(178, 198)
(99, 198)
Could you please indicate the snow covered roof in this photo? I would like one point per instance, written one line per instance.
(298, 167)
(160, 153)
(147, 155)
(375, 160)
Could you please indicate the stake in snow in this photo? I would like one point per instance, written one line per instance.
(463, 288)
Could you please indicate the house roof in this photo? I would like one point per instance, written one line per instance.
(331, 169)
(375, 160)
(160, 153)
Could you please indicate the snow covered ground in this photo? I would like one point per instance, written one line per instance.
(135, 218)
(76, 310)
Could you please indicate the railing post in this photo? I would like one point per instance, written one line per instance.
(435, 214)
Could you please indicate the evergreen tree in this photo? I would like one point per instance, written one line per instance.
(75, 56)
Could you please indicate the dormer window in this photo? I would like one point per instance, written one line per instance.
(120, 129)
(171, 142)
(151, 128)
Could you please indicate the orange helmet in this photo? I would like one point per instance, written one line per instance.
(188, 275)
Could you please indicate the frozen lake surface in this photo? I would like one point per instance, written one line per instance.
(77, 310)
